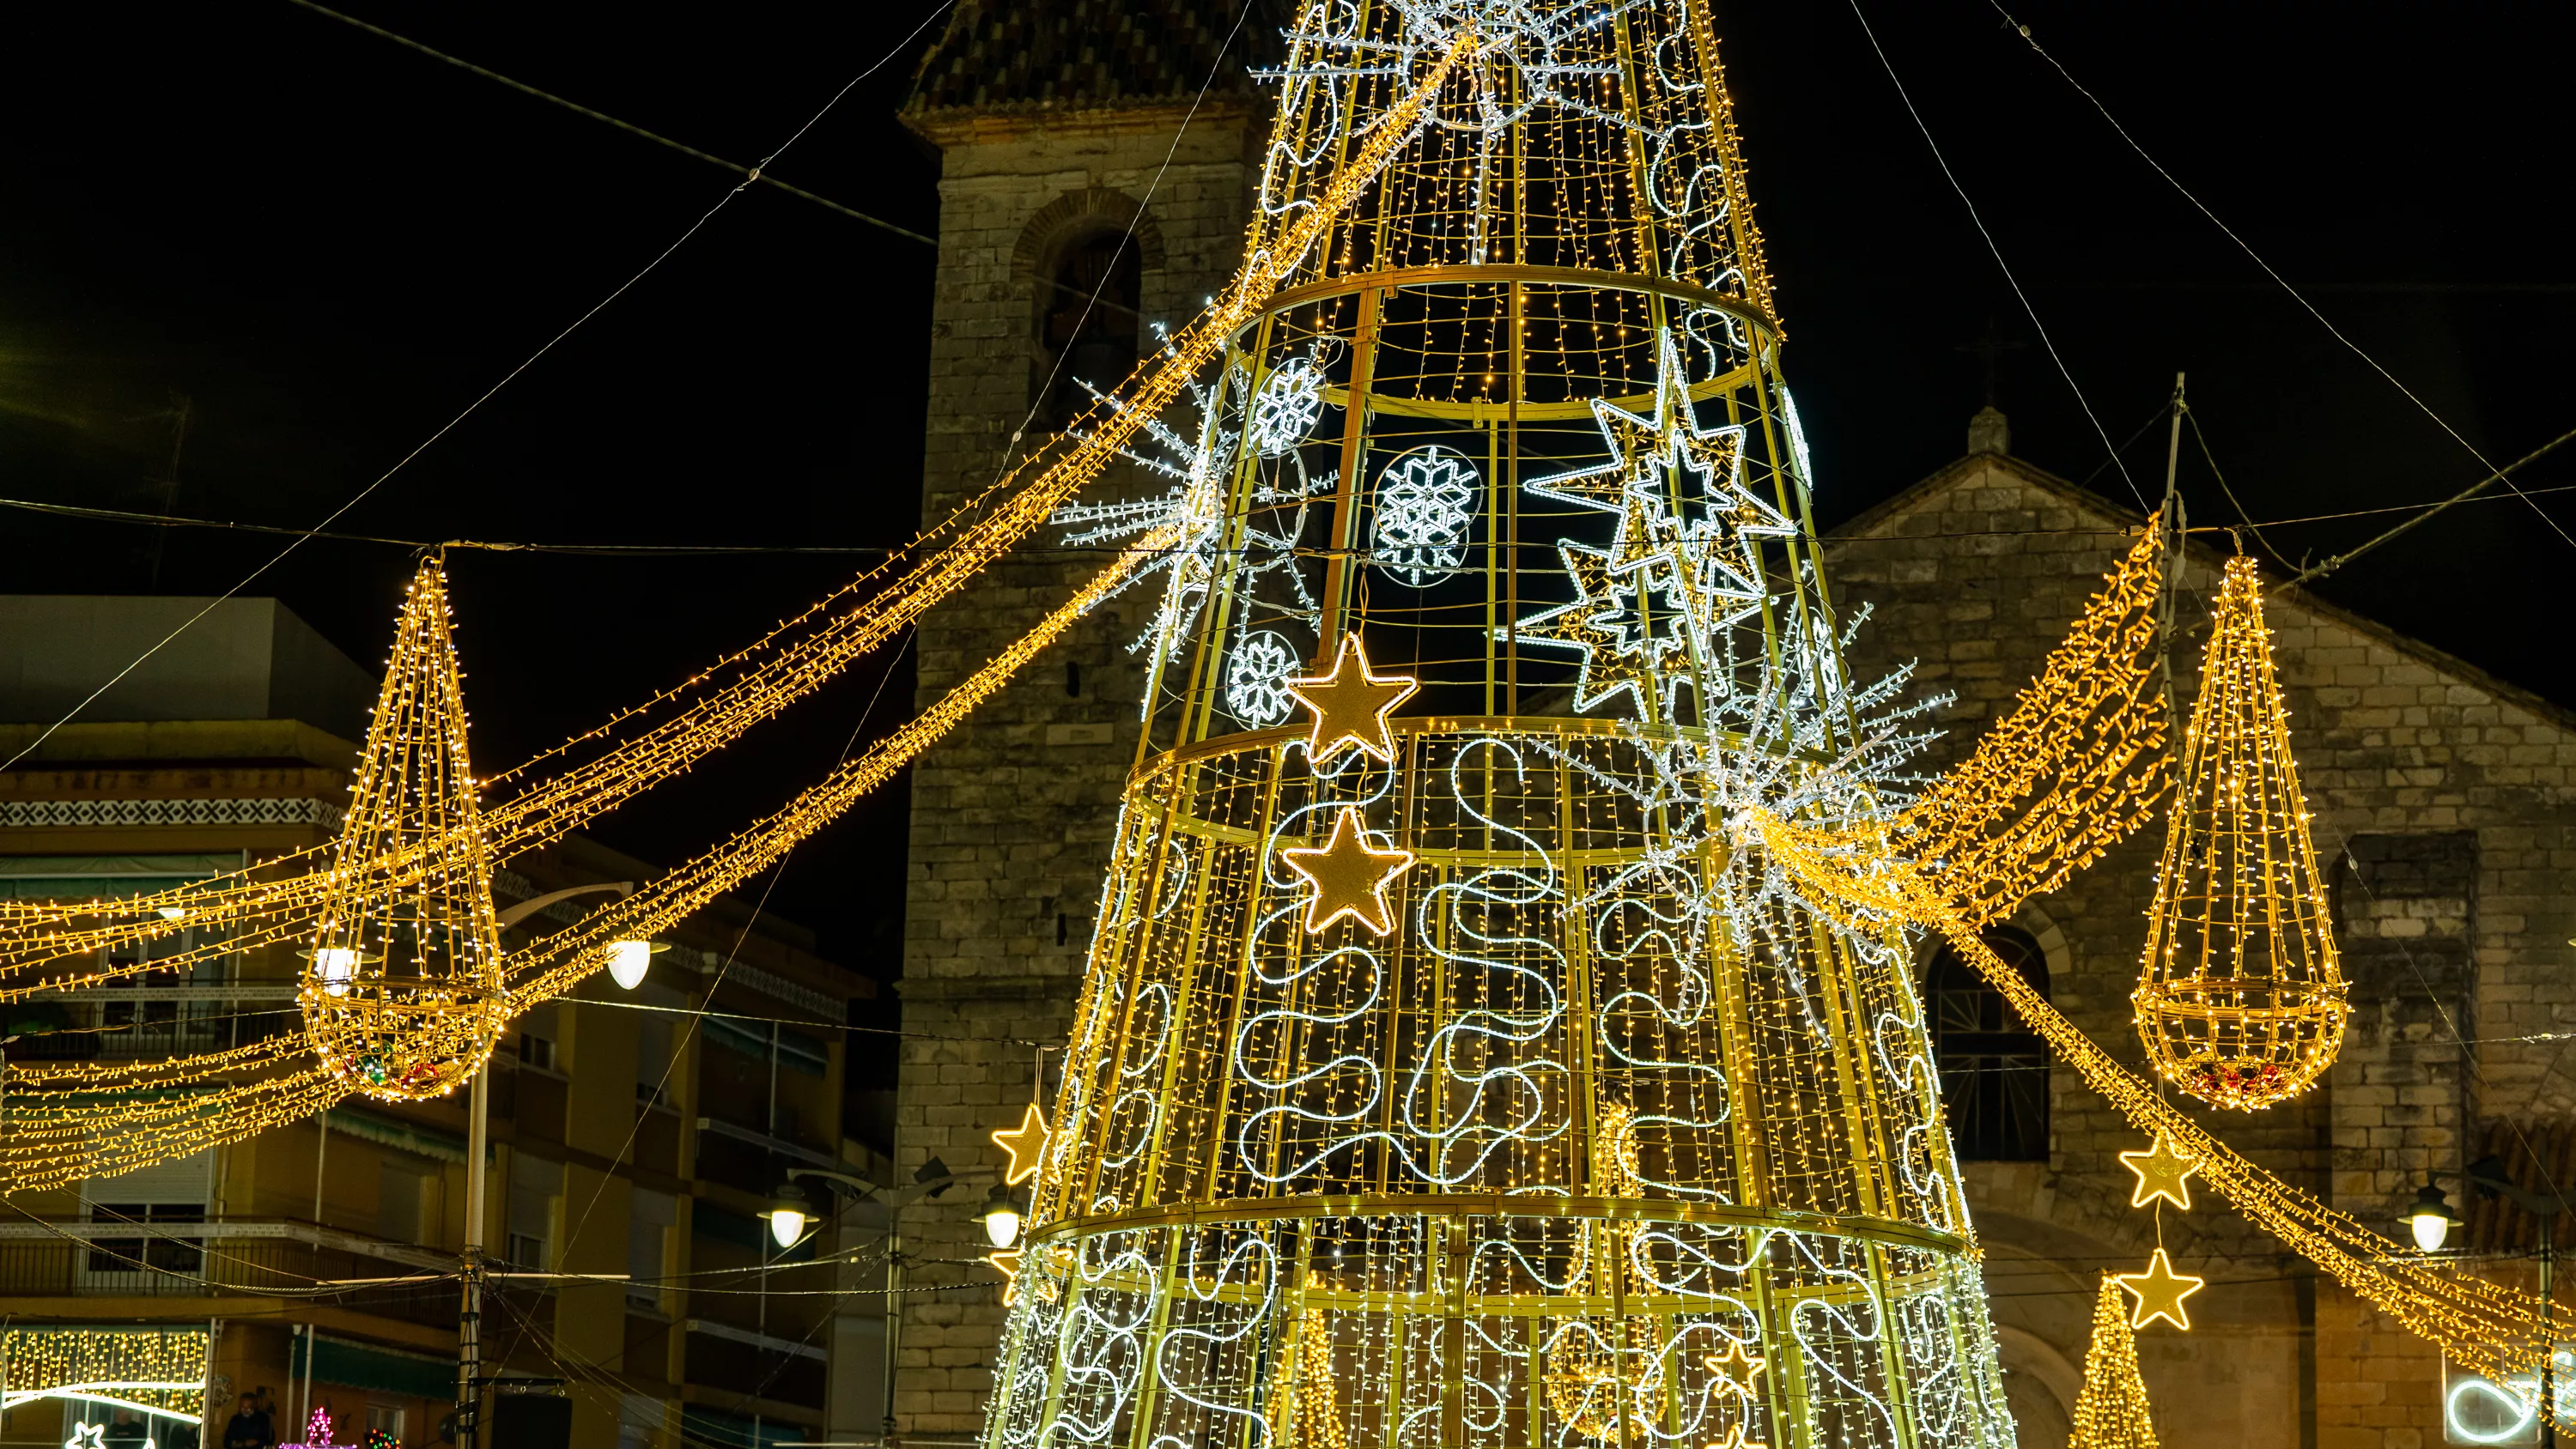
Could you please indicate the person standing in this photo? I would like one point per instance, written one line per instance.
(249, 1428)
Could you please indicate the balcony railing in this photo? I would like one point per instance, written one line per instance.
(227, 1258)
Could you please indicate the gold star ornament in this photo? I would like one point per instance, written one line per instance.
(1026, 1143)
(2159, 1292)
(1351, 705)
(1350, 876)
(1735, 1368)
(1007, 1263)
(2163, 1172)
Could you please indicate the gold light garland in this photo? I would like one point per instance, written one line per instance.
(2111, 1412)
(62, 1127)
(2493, 1329)
(402, 990)
(71, 1131)
(2240, 1001)
(260, 911)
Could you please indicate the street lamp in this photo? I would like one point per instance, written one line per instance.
(2488, 1176)
(1001, 1215)
(929, 1180)
(627, 961)
(478, 1121)
(789, 1211)
(2431, 1218)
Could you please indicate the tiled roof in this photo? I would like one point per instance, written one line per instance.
(1084, 54)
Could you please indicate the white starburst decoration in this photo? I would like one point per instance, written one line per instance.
(1265, 554)
(1425, 505)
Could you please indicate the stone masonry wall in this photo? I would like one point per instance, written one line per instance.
(1012, 815)
(2444, 817)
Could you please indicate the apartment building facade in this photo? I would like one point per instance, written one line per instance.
(635, 1137)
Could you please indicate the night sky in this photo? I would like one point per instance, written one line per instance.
(328, 245)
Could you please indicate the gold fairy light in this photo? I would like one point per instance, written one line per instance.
(402, 990)
(159, 1370)
(740, 691)
(1446, 1032)
(2241, 1002)
(2488, 1327)
(2111, 1411)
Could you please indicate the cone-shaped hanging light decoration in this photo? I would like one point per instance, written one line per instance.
(402, 991)
(2241, 1003)
(2112, 1412)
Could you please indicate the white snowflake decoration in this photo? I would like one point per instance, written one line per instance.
(1256, 679)
(1425, 504)
(1285, 411)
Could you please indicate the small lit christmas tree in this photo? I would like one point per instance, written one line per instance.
(2111, 1412)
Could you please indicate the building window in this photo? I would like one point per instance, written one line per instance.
(387, 1418)
(140, 1256)
(1087, 324)
(1994, 1070)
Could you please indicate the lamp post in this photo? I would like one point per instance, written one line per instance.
(789, 1214)
(478, 1127)
(2432, 1219)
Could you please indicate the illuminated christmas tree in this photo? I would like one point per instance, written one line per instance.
(2111, 1412)
(1448, 1072)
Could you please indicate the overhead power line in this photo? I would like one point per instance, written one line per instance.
(752, 173)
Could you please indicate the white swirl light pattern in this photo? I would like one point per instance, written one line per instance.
(1425, 508)
(1613, 1139)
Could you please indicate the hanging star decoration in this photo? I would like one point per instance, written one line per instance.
(1350, 876)
(1006, 1261)
(86, 1436)
(1351, 705)
(2159, 1292)
(1667, 579)
(1026, 1143)
(2163, 1172)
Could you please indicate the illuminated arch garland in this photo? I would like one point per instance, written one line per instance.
(267, 905)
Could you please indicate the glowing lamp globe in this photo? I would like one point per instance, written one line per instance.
(1001, 1217)
(628, 961)
(788, 1215)
(2430, 1219)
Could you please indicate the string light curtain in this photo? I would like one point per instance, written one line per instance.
(2111, 1411)
(2240, 1002)
(402, 990)
(1439, 1075)
(159, 1371)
